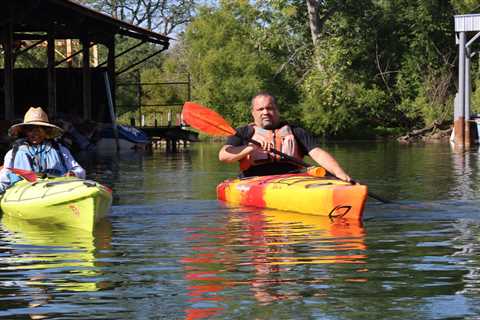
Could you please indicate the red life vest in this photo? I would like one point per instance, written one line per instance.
(282, 140)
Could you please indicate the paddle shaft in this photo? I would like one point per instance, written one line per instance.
(306, 165)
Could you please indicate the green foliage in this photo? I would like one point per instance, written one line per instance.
(424, 85)
(379, 66)
(225, 65)
(333, 106)
(465, 6)
(476, 97)
(232, 63)
(434, 101)
(160, 89)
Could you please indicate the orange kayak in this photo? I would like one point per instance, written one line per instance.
(298, 192)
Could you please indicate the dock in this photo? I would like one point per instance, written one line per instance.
(173, 137)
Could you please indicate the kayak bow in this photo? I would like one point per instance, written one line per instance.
(67, 201)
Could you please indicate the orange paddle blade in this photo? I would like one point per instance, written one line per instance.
(206, 120)
(28, 175)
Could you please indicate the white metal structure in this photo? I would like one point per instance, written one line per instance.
(465, 25)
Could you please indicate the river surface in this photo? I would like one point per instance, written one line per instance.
(169, 250)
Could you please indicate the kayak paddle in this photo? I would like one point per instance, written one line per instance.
(28, 175)
(212, 123)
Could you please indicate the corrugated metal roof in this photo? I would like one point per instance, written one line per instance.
(467, 22)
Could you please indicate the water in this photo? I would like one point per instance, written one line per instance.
(169, 250)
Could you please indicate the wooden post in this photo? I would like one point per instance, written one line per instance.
(86, 79)
(51, 77)
(68, 52)
(95, 56)
(168, 145)
(111, 70)
(8, 72)
(139, 94)
(113, 117)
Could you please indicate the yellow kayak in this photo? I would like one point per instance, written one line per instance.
(297, 192)
(67, 201)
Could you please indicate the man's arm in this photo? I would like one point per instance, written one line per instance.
(328, 162)
(236, 148)
(71, 163)
(320, 156)
(229, 153)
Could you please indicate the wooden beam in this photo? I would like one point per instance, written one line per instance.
(51, 76)
(91, 44)
(9, 112)
(31, 46)
(139, 62)
(86, 79)
(30, 36)
(121, 53)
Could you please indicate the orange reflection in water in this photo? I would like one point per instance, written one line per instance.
(276, 237)
(268, 244)
(325, 235)
(203, 269)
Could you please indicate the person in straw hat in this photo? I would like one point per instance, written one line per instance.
(35, 149)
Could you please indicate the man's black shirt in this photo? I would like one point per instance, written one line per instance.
(304, 139)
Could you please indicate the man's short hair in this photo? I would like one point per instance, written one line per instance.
(264, 94)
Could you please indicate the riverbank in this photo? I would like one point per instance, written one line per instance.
(437, 132)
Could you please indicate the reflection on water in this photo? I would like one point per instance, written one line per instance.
(41, 260)
(259, 250)
(170, 250)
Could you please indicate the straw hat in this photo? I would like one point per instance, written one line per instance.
(36, 117)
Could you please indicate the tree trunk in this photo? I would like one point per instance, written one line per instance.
(314, 20)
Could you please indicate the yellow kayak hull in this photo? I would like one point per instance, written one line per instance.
(66, 201)
(300, 192)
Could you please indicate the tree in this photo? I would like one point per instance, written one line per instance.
(382, 64)
(230, 64)
(166, 17)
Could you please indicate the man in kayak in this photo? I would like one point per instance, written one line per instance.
(35, 149)
(272, 133)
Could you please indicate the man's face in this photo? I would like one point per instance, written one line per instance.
(265, 113)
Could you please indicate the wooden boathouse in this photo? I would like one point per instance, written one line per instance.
(80, 92)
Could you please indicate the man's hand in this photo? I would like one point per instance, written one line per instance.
(70, 174)
(343, 176)
(264, 144)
